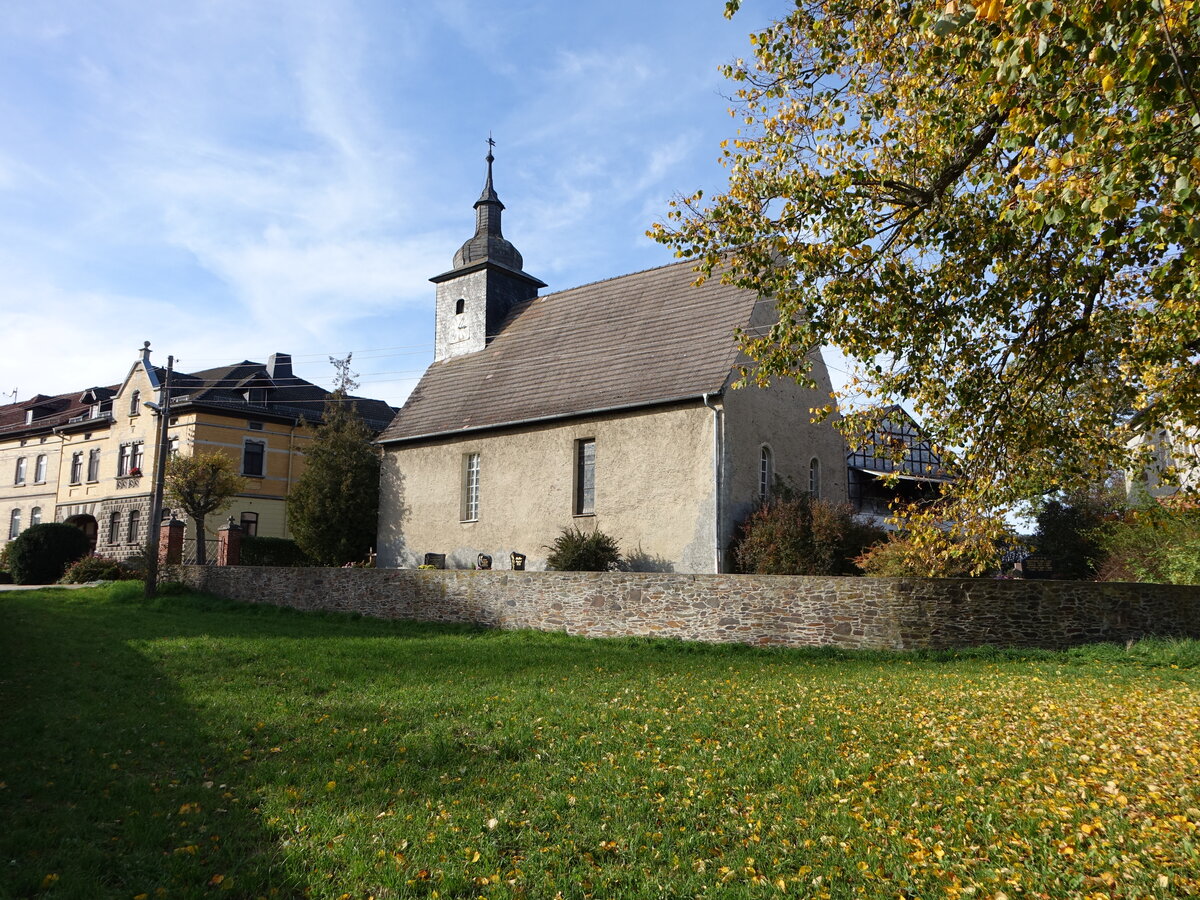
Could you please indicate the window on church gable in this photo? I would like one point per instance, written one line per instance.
(460, 306)
(585, 477)
(766, 472)
(470, 492)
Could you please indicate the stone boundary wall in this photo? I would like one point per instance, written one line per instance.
(791, 611)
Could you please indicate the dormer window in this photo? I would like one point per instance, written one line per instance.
(460, 306)
(135, 403)
(29, 417)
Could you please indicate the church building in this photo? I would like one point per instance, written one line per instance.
(608, 406)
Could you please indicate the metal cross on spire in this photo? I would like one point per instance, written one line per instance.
(491, 144)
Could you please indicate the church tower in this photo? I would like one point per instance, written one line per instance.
(487, 280)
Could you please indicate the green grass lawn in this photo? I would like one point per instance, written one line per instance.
(196, 748)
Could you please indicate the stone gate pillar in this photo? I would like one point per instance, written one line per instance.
(229, 544)
(170, 542)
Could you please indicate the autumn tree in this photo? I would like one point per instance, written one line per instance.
(992, 207)
(333, 509)
(199, 485)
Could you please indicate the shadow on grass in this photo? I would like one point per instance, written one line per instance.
(111, 785)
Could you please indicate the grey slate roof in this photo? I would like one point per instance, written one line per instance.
(640, 339)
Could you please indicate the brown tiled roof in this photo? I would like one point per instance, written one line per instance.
(640, 339)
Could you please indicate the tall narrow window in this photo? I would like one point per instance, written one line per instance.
(585, 477)
(114, 528)
(94, 465)
(77, 467)
(459, 305)
(766, 472)
(173, 446)
(122, 460)
(249, 524)
(814, 478)
(252, 458)
(135, 403)
(35, 516)
(135, 458)
(135, 522)
(470, 497)
(14, 524)
(39, 470)
(19, 478)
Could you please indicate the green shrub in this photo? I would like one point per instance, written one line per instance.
(5, 574)
(900, 557)
(1156, 544)
(96, 568)
(272, 551)
(800, 535)
(576, 550)
(41, 553)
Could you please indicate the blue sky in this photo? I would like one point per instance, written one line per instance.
(232, 179)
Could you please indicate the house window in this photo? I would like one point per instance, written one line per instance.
(77, 467)
(173, 446)
(135, 403)
(114, 528)
(122, 460)
(470, 494)
(252, 458)
(766, 472)
(14, 524)
(135, 521)
(136, 453)
(255, 426)
(35, 516)
(19, 478)
(39, 470)
(585, 477)
(249, 524)
(94, 465)
(814, 478)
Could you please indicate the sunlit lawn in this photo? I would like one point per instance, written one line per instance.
(195, 748)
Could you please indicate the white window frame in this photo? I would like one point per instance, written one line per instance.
(35, 516)
(14, 523)
(93, 465)
(39, 469)
(585, 492)
(77, 467)
(470, 487)
(766, 472)
(133, 525)
(19, 475)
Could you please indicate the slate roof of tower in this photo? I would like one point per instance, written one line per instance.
(636, 340)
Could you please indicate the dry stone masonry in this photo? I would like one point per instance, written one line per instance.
(790, 611)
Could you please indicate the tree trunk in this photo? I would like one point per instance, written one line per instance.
(201, 543)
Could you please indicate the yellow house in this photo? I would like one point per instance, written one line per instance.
(88, 458)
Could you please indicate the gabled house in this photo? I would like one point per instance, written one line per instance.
(88, 457)
(894, 466)
(608, 406)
